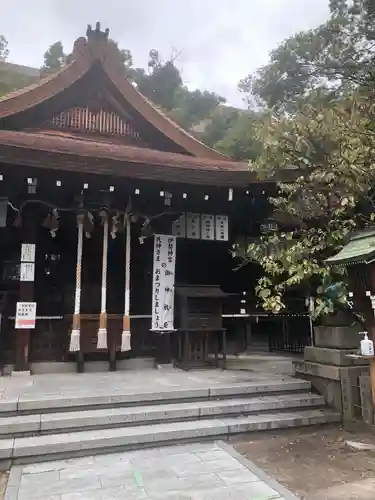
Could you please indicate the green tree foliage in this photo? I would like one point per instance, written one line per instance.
(54, 58)
(162, 83)
(4, 52)
(192, 107)
(164, 86)
(11, 80)
(10, 77)
(240, 141)
(218, 124)
(336, 56)
(331, 150)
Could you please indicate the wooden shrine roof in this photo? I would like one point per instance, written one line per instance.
(67, 153)
(90, 52)
(57, 123)
(359, 250)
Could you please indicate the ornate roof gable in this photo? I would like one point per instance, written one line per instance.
(94, 72)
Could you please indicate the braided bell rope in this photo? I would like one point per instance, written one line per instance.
(126, 336)
(75, 335)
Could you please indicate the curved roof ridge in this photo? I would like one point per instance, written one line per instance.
(31, 95)
(156, 117)
(221, 156)
(88, 51)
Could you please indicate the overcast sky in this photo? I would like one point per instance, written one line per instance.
(221, 41)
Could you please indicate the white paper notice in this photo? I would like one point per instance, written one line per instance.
(28, 252)
(208, 227)
(193, 230)
(25, 315)
(179, 227)
(27, 272)
(221, 227)
(163, 283)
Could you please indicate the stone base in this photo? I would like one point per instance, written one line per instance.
(334, 357)
(337, 337)
(16, 374)
(339, 385)
(90, 367)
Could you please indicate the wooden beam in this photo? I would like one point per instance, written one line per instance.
(26, 291)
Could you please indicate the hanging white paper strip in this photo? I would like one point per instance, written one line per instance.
(193, 230)
(179, 227)
(163, 283)
(208, 227)
(221, 227)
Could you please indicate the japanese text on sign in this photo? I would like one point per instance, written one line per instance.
(179, 227)
(205, 227)
(208, 227)
(25, 315)
(27, 272)
(163, 282)
(28, 252)
(221, 223)
(193, 230)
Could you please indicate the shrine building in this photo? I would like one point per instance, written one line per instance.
(116, 224)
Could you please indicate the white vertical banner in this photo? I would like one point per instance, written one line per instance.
(193, 230)
(163, 282)
(208, 227)
(179, 227)
(221, 227)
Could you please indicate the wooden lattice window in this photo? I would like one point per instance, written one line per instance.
(102, 121)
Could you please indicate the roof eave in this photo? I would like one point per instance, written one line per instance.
(361, 259)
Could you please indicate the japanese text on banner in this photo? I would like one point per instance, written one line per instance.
(163, 282)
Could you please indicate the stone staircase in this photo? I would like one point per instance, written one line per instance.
(45, 428)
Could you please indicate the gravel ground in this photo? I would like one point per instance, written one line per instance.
(3, 482)
(315, 463)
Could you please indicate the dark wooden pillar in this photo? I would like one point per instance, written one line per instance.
(372, 332)
(29, 229)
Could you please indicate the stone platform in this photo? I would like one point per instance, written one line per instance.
(45, 417)
(208, 471)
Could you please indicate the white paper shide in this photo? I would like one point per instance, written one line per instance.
(163, 282)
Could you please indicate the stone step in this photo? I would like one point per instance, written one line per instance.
(122, 398)
(66, 445)
(141, 415)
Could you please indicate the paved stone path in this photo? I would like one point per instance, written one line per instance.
(207, 471)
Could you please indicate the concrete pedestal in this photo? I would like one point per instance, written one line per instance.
(331, 372)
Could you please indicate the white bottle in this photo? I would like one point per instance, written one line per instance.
(367, 346)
